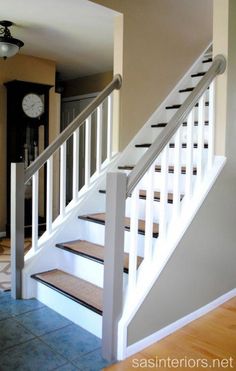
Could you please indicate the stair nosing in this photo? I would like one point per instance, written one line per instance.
(84, 255)
(69, 296)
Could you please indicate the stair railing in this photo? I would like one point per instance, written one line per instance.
(196, 162)
(20, 176)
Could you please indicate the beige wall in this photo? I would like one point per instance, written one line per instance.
(202, 267)
(87, 84)
(26, 68)
(161, 40)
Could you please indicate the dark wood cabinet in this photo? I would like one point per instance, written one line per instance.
(27, 134)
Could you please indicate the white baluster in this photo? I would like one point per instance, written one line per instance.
(177, 174)
(49, 200)
(109, 127)
(99, 139)
(87, 151)
(189, 155)
(211, 128)
(75, 185)
(163, 193)
(133, 240)
(35, 206)
(149, 215)
(62, 179)
(200, 140)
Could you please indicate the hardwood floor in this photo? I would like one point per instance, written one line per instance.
(208, 343)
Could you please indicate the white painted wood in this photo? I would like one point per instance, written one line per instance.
(177, 174)
(99, 139)
(169, 329)
(68, 308)
(211, 131)
(109, 126)
(49, 198)
(189, 162)
(17, 228)
(113, 262)
(149, 215)
(163, 193)
(200, 140)
(35, 206)
(134, 216)
(62, 179)
(75, 176)
(87, 151)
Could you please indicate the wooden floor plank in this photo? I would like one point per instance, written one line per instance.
(211, 337)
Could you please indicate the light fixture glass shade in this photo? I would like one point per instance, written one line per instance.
(8, 50)
(9, 46)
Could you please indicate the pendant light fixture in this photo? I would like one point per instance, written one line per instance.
(9, 46)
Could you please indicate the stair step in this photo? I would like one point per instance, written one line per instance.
(177, 106)
(100, 219)
(83, 292)
(163, 124)
(92, 251)
(171, 145)
(186, 90)
(198, 74)
(142, 195)
(209, 60)
(157, 169)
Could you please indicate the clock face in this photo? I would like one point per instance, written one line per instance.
(33, 105)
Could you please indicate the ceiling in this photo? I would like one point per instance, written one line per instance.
(77, 34)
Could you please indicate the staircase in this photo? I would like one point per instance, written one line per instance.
(166, 176)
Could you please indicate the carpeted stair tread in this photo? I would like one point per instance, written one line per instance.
(157, 169)
(100, 219)
(92, 251)
(73, 287)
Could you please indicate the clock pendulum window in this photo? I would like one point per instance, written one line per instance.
(27, 137)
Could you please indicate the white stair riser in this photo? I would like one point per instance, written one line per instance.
(82, 267)
(77, 313)
(142, 209)
(94, 232)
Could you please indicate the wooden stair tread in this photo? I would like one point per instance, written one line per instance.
(100, 219)
(171, 145)
(163, 124)
(93, 251)
(177, 106)
(198, 74)
(73, 287)
(171, 169)
(156, 196)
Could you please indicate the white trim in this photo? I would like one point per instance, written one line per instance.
(2, 234)
(165, 331)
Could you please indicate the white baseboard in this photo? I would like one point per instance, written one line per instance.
(2, 234)
(165, 331)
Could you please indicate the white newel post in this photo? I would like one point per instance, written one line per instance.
(17, 228)
(113, 262)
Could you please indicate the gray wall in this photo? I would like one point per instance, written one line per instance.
(203, 266)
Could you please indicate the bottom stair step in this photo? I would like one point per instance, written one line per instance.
(92, 251)
(83, 292)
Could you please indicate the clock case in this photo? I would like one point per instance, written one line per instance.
(23, 139)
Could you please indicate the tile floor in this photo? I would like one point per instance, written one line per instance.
(34, 337)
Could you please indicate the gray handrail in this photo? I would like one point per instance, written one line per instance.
(218, 67)
(75, 124)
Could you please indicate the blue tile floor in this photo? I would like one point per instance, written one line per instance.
(35, 338)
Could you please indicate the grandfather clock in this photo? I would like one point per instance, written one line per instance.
(27, 135)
